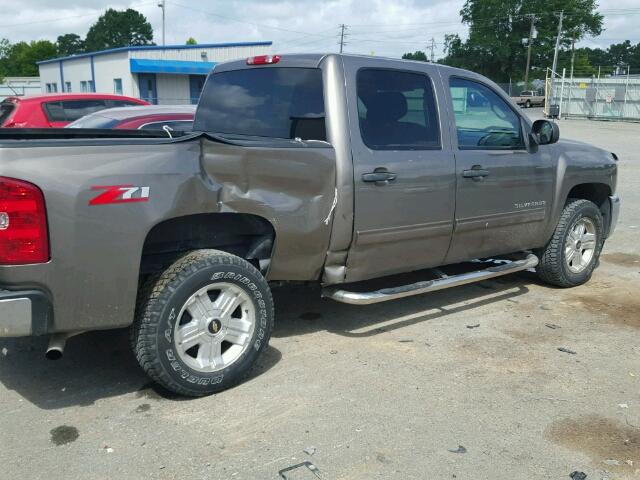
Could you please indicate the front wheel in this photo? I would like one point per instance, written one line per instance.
(527, 104)
(572, 253)
(203, 323)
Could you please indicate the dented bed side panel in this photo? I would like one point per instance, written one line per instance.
(292, 188)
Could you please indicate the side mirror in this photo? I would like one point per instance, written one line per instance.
(546, 132)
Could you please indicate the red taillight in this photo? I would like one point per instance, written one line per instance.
(263, 60)
(23, 223)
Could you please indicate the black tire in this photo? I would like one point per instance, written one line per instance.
(553, 268)
(163, 295)
(527, 104)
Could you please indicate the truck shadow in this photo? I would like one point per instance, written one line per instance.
(301, 310)
(99, 365)
(95, 366)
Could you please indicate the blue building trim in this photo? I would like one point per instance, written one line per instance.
(140, 65)
(93, 73)
(62, 89)
(157, 47)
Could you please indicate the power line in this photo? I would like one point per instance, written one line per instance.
(233, 19)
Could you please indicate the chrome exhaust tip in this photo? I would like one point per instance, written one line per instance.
(57, 342)
(54, 353)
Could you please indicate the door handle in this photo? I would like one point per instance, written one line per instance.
(476, 172)
(379, 178)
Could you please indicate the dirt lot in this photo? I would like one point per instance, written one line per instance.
(404, 390)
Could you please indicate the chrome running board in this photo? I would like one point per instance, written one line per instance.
(418, 288)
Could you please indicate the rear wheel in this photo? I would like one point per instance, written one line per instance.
(572, 253)
(527, 104)
(203, 323)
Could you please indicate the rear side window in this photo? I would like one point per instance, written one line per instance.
(266, 102)
(396, 110)
(72, 110)
(6, 109)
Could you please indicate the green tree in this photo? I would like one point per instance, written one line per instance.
(119, 29)
(620, 53)
(418, 55)
(457, 53)
(497, 28)
(4, 51)
(69, 44)
(588, 61)
(191, 41)
(19, 59)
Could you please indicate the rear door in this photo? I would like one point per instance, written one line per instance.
(503, 190)
(404, 172)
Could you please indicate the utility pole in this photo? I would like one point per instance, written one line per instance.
(343, 27)
(532, 17)
(432, 47)
(163, 6)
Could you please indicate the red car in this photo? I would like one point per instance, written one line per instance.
(152, 117)
(57, 110)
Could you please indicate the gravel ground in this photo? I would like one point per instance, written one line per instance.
(402, 390)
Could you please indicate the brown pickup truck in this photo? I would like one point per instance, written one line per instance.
(529, 98)
(316, 169)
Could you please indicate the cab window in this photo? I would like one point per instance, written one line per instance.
(397, 110)
(483, 119)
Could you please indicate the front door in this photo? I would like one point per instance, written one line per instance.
(148, 87)
(404, 172)
(196, 84)
(504, 191)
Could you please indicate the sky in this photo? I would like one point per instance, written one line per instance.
(379, 27)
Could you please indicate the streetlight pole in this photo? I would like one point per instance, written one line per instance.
(555, 55)
(532, 17)
(163, 6)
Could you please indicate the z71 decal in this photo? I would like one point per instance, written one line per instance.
(120, 194)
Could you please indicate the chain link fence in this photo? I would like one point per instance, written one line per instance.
(611, 97)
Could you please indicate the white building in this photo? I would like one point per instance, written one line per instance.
(163, 75)
(19, 87)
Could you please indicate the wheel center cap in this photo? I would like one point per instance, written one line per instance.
(215, 326)
(578, 245)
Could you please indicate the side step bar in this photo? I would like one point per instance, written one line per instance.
(386, 294)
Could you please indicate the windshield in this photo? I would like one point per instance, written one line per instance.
(93, 121)
(265, 102)
(6, 109)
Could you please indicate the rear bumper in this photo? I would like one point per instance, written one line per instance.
(614, 204)
(24, 313)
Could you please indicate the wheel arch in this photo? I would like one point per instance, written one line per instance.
(599, 194)
(248, 236)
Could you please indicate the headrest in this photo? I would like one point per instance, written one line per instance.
(387, 106)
